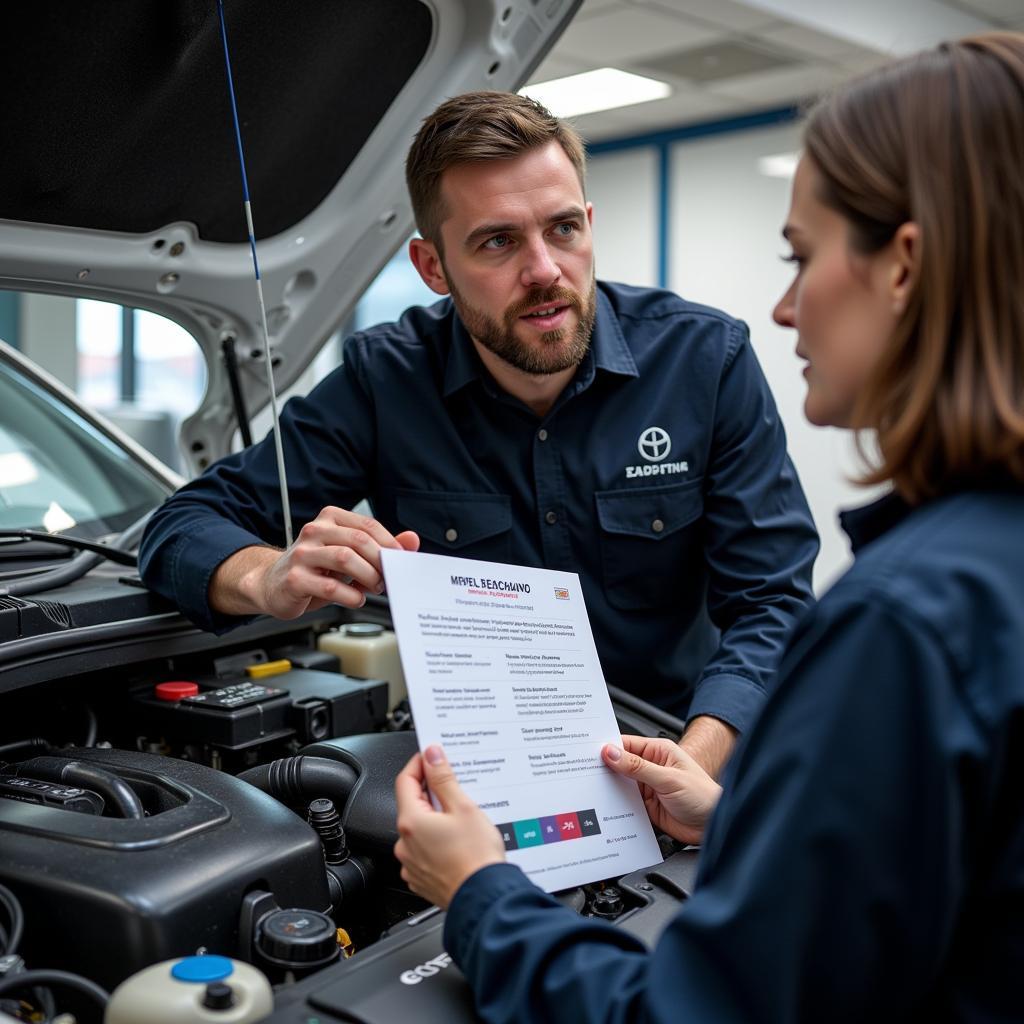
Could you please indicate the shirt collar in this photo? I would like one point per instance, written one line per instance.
(868, 522)
(464, 365)
(608, 351)
(608, 344)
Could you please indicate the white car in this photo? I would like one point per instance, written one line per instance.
(249, 816)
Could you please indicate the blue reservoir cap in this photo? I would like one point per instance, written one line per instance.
(202, 969)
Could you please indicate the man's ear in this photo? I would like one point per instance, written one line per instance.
(906, 265)
(428, 264)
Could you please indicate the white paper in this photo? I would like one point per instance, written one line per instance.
(503, 672)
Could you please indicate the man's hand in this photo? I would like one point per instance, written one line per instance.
(439, 850)
(710, 742)
(678, 794)
(334, 560)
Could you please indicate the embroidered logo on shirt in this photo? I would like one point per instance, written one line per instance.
(655, 445)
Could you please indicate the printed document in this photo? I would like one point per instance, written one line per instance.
(503, 672)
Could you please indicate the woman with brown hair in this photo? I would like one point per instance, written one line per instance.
(866, 858)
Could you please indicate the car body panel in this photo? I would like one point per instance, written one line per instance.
(313, 270)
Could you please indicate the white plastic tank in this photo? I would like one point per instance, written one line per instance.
(192, 990)
(368, 651)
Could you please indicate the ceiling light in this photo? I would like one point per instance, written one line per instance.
(601, 89)
(781, 165)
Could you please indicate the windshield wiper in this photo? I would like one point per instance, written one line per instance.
(83, 562)
(118, 555)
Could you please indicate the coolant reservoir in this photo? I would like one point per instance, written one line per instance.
(369, 651)
(192, 990)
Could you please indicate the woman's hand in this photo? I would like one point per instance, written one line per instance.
(439, 850)
(678, 794)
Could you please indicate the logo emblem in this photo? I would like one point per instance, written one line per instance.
(562, 593)
(427, 970)
(654, 444)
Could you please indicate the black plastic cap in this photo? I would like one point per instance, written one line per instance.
(297, 938)
(218, 996)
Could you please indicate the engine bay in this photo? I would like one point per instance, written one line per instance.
(235, 803)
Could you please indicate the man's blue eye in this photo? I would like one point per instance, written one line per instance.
(565, 229)
(497, 242)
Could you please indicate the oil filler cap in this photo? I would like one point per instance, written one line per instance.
(202, 969)
(298, 938)
(175, 690)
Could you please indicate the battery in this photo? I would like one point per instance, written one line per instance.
(236, 712)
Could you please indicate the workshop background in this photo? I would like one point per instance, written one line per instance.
(690, 190)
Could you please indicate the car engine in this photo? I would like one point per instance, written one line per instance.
(233, 807)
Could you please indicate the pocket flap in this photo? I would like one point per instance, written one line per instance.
(653, 512)
(453, 520)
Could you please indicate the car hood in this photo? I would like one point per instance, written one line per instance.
(121, 176)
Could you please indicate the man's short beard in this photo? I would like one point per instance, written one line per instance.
(554, 351)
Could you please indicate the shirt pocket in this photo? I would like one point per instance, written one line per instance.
(651, 543)
(466, 525)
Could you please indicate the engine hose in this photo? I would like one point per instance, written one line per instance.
(349, 879)
(36, 742)
(15, 921)
(298, 780)
(30, 979)
(77, 567)
(118, 794)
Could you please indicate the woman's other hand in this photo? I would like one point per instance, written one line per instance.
(678, 794)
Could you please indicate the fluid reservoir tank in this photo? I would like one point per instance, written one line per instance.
(368, 651)
(192, 990)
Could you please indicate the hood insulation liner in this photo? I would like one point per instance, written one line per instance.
(117, 115)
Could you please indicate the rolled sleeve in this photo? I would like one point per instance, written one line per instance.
(734, 699)
(194, 556)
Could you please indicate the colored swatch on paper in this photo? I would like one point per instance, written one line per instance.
(555, 828)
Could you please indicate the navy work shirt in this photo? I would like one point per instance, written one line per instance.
(660, 475)
(866, 861)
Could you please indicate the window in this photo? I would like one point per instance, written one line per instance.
(98, 337)
(170, 370)
(128, 356)
(397, 287)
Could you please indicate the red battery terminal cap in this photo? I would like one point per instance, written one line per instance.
(177, 690)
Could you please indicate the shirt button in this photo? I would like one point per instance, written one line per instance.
(551, 518)
(542, 434)
(451, 534)
(657, 526)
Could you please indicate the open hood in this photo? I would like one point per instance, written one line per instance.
(149, 788)
(121, 177)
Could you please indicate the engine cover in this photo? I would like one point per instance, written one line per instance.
(105, 897)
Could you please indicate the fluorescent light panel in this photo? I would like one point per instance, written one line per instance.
(601, 89)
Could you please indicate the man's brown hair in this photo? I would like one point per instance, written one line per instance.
(938, 140)
(479, 126)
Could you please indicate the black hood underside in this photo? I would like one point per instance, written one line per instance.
(117, 112)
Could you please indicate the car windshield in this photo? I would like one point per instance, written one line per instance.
(58, 472)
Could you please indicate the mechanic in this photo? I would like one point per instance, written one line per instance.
(534, 417)
(865, 861)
